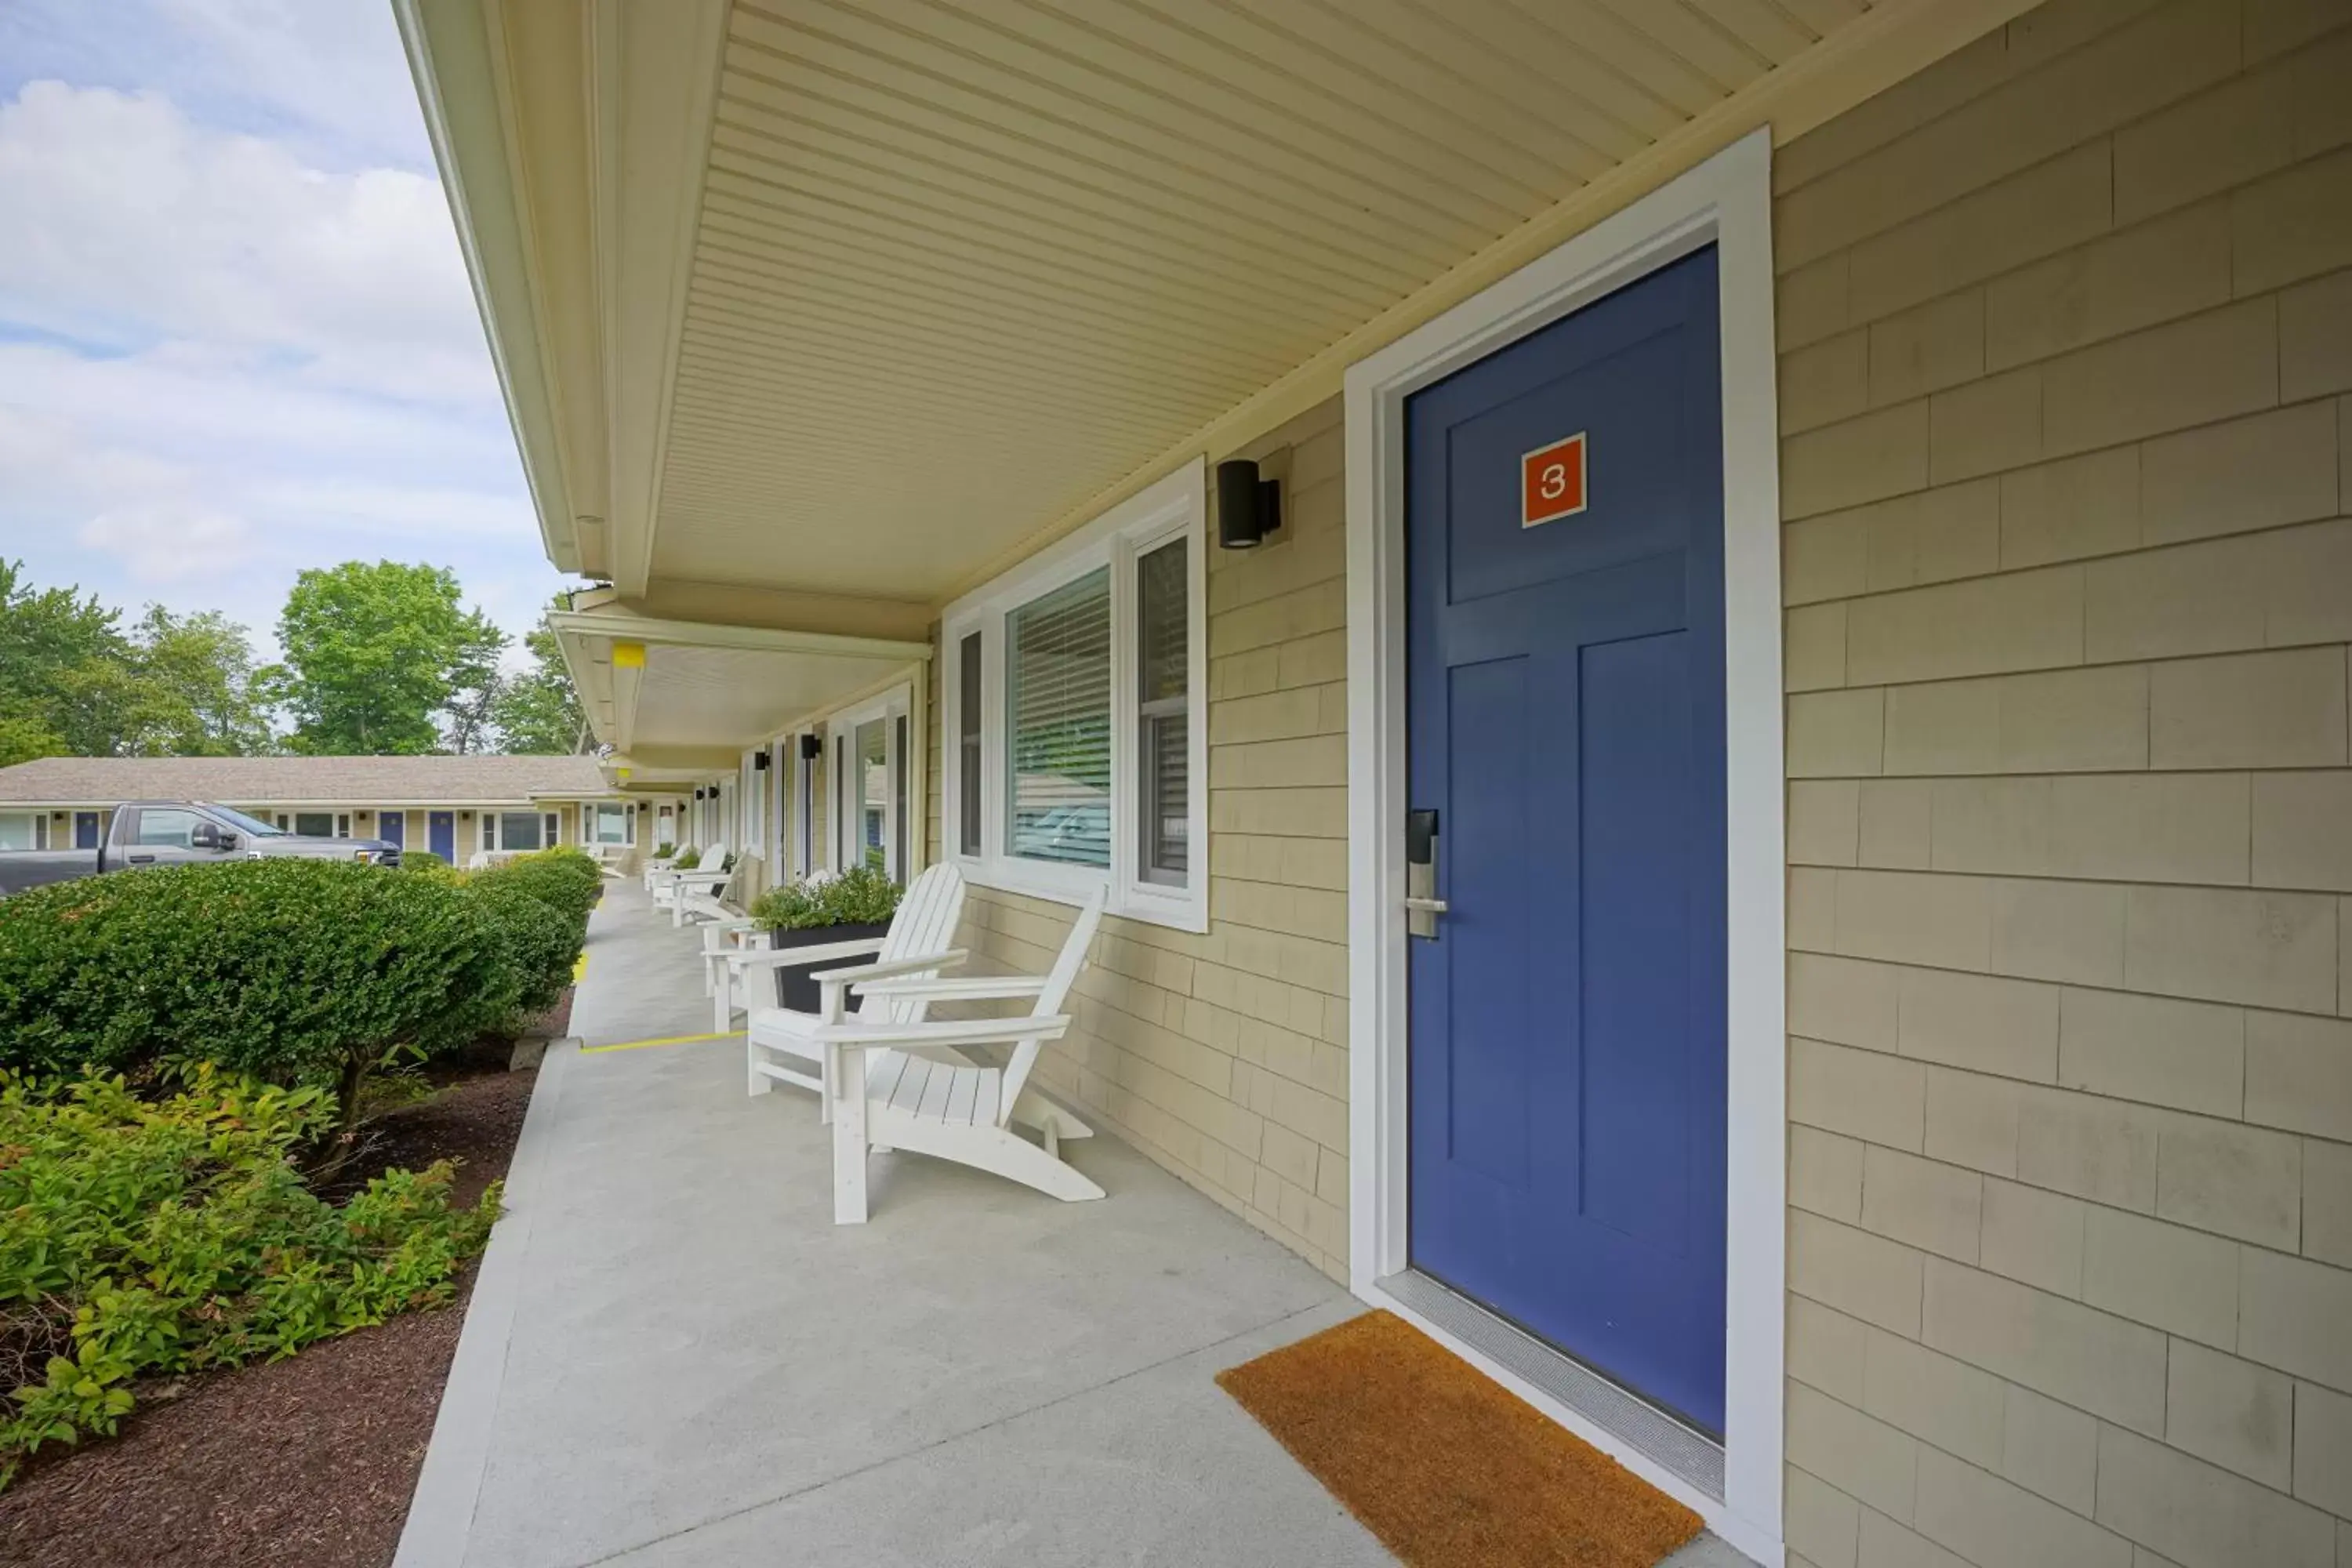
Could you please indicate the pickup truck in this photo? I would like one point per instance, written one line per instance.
(175, 833)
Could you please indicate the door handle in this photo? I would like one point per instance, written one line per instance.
(140, 860)
(1421, 904)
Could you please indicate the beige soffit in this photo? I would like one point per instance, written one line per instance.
(693, 687)
(951, 277)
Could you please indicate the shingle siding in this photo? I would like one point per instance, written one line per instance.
(1224, 1056)
(2069, 572)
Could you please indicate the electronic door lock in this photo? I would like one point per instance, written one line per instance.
(1421, 904)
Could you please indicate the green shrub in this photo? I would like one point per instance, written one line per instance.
(861, 896)
(420, 859)
(686, 859)
(664, 851)
(295, 971)
(138, 1238)
(563, 878)
(531, 947)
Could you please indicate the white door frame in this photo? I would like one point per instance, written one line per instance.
(841, 726)
(1726, 201)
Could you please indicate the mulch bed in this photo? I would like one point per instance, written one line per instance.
(302, 1463)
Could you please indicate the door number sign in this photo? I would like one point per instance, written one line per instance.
(1551, 481)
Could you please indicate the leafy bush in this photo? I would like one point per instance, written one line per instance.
(664, 851)
(531, 945)
(296, 971)
(140, 1239)
(419, 860)
(563, 878)
(860, 896)
(686, 859)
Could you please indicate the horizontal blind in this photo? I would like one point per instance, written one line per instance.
(1058, 710)
(1162, 670)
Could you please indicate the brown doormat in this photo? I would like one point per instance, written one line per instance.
(1443, 1465)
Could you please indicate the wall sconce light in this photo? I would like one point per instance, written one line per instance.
(812, 748)
(1248, 507)
(759, 760)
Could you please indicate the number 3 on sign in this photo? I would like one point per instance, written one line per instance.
(1551, 481)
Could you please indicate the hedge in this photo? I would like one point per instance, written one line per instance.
(292, 970)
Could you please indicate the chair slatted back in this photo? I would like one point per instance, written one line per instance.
(1068, 966)
(925, 921)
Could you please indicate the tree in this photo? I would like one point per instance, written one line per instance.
(193, 693)
(57, 648)
(377, 655)
(537, 709)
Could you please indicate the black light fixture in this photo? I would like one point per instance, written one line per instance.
(759, 760)
(697, 792)
(812, 748)
(1248, 507)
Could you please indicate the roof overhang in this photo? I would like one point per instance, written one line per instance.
(873, 300)
(680, 699)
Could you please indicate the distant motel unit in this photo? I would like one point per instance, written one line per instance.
(1701, 648)
(454, 806)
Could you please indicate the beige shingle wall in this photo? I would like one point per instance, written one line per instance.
(2067, 330)
(1224, 1056)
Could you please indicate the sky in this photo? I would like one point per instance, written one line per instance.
(236, 334)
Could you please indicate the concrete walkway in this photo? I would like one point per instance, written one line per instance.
(673, 1356)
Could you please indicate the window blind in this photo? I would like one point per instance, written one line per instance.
(1057, 720)
(1163, 754)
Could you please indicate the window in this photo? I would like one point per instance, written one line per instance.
(1057, 725)
(751, 789)
(167, 828)
(612, 823)
(315, 824)
(867, 784)
(554, 830)
(1076, 699)
(1163, 708)
(24, 830)
(518, 830)
(968, 686)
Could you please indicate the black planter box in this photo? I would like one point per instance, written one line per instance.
(795, 989)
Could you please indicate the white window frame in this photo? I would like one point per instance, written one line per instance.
(1174, 507)
(843, 823)
(752, 790)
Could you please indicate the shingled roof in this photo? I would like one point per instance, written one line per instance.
(275, 781)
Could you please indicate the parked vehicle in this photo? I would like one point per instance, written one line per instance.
(175, 833)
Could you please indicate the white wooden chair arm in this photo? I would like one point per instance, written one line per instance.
(958, 988)
(858, 1037)
(815, 952)
(883, 970)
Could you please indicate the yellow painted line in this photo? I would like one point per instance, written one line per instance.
(665, 1041)
(580, 968)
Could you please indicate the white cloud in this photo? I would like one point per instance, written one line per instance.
(235, 336)
(133, 226)
(165, 544)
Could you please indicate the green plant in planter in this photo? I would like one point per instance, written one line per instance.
(686, 859)
(859, 897)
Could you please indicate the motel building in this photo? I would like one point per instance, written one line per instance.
(456, 808)
(1701, 646)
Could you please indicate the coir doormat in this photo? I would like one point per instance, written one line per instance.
(1442, 1464)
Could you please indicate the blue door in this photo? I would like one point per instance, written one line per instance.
(85, 830)
(441, 833)
(1565, 714)
(391, 827)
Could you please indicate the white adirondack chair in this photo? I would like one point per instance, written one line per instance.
(661, 879)
(887, 1091)
(670, 891)
(916, 943)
